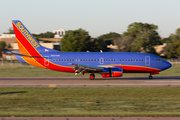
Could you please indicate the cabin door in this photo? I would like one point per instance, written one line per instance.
(46, 60)
(101, 61)
(147, 60)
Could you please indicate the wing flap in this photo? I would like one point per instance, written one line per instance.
(83, 67)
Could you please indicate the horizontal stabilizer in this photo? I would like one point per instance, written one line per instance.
(22, 55)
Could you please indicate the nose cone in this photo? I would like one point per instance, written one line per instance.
(167, 65)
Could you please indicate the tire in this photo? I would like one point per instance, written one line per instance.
(150, 77)
(92, 77)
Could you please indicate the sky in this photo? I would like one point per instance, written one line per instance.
(95, 16)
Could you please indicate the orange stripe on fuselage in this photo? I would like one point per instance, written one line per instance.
(32, 61)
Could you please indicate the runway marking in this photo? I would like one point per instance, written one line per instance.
(78, 84)
(52, 85)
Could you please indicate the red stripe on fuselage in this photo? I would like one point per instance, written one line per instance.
(137, 69)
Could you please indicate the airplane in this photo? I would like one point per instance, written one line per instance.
(108, 64)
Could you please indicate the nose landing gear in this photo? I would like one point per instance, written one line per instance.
(151, 77)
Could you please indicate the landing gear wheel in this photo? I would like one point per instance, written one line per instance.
(150, 77)
(92, 77)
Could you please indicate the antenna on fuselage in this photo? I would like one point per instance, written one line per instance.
(101, 51)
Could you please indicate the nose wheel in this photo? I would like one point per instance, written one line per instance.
(92, 77)
(150, 77)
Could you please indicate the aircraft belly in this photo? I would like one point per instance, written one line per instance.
(138, 69)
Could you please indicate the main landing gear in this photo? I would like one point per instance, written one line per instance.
(150, 77)
(92, 76)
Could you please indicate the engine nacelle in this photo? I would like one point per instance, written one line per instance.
(112, 72)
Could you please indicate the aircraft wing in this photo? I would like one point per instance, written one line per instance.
(81, 68)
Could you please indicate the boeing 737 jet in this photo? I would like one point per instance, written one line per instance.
(108, 64)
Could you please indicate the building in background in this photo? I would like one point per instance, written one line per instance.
(6, 55)
(59, 33)
(160, 49)
(11, 45)
(8, 38)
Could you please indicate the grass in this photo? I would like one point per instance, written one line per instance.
(112, 101)
(32, 71)
(29, 71)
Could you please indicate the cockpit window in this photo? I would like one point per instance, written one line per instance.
(158, 59)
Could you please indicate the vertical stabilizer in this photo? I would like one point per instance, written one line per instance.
(27, 44)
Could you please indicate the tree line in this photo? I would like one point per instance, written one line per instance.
(139, 37)
(173, 45)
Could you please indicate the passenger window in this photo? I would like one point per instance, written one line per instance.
(128, 59)
(120, 60)
(131, 59)
(64, 59)
(89, 59)
(72, 59)
(54, 59)
(94, 59)
(114, 59)
(83, 59)
(75, 59)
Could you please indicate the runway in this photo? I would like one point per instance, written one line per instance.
(76, 81)
(85, 82)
